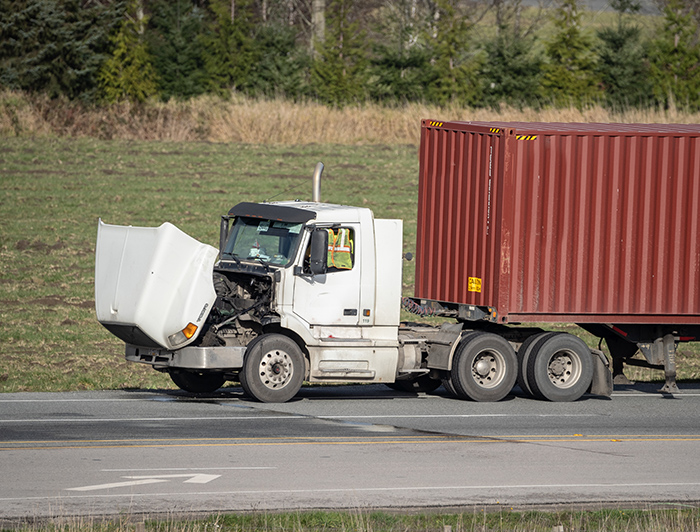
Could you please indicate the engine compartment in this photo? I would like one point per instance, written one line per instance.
(241, 310)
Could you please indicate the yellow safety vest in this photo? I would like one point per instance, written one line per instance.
(340, 249)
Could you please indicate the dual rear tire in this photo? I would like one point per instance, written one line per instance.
(549, 366)
(555, 367)
(484, 368)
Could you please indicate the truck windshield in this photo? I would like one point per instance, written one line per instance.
(270, 241)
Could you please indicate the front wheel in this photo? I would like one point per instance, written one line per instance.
(484, 368)
(273, 369)
(205, 382)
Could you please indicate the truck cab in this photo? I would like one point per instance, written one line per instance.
(299, 291)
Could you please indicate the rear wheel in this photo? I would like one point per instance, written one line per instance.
(524, 355)
(273, 369)
(560, 368)
(484, 368)
(198, 382)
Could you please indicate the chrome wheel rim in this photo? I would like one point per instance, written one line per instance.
(564, 368)
(276, 369)
(488, 368)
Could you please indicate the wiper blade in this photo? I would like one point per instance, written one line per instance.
(264, 263)
(235, 257)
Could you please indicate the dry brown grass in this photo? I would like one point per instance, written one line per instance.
(242, 120)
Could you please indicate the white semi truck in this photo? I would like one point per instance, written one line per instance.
(308, 291)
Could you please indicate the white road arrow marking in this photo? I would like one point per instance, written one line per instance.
(197, 478)
(194, 478)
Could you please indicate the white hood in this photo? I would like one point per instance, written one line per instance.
(151, 283)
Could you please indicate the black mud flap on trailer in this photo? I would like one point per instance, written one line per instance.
(602, 382)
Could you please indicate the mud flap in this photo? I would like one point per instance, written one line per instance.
(602, 382)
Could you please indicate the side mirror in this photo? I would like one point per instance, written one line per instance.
(319, 252)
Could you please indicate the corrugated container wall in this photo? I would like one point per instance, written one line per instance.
(596, 223)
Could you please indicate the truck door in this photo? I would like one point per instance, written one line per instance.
(332, 298)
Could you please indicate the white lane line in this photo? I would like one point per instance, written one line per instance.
(126, 419)
(187, 469)
(631, 393)
(293, 416)
(350, 490)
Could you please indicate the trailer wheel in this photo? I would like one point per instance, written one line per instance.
(484, 368)
(560, 368)
(424, 383)
(524, 355)
(197, 382)
(273, 369)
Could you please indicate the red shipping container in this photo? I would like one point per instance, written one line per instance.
(549, 222)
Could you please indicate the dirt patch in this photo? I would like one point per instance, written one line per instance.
(287, 176)
(48, 301)
(56, 300)
(355, 166)
(38, 245)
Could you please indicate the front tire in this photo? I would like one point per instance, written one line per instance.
(273, 369)
(484, 368)
(560, 368)
(192, 382)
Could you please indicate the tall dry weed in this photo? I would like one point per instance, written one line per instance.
(244, 120)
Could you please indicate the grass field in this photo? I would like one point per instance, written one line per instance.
(55, 190)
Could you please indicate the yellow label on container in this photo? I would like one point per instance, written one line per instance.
(474, 284)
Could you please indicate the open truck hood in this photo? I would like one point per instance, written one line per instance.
(153, 285)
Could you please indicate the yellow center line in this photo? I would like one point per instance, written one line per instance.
(282, 441)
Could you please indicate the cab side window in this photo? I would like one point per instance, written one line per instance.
(341, 249)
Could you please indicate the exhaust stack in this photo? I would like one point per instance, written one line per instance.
(316, 180)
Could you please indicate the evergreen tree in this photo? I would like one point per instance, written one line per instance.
(569, 76)
(675, 59)
(129, 74)
(511, 71)
(400, 59)
(282, 69)
(230, 53)
(454, 66)
(55, 46)
(622, 62)
(175, 41)
(339, 72)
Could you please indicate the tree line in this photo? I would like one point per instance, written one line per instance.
(343, 52)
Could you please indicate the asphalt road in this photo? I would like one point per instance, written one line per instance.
(148, 452)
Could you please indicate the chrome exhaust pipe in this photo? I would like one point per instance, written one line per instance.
(316, 180)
